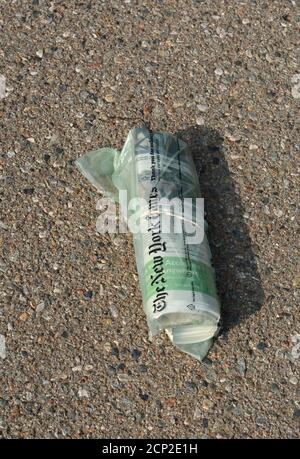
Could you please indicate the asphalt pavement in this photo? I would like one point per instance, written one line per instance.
(75, 358)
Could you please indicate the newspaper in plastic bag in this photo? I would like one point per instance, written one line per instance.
(175, 273)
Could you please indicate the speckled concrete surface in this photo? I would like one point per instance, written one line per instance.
(74, 354)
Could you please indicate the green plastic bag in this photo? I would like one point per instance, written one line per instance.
(157, 172)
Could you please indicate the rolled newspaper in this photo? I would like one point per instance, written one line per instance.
(164, 211)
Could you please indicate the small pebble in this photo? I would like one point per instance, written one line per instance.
(109, 98)
(88, 294)
(139, 417)
(205, 423)
(236, 410)
(241, 364)
(135, 354)
(178, 103)
(28, 190)
(124, 377)
(293, 380)
(40, 53)
(219, 71)
(275, 389)
(296, 78)
(197, 413)
(296, 281)
(200, 121)
(191, 385)
(161, 424)
(62, 88)
(143, 369)
(232, 137)
(24, 316)
(115, 351)
(261, 421)
(274, 157)
(252, 146)
(261, 346)
(202, 107)
(159, 404)
(83, 393)
(113, 310)
(77, 369)
(40, 307)
(111, 370)
(144, 397)
(59, 151)
(278, 213)
(207, 404)
(88, 367)
(221, 32)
